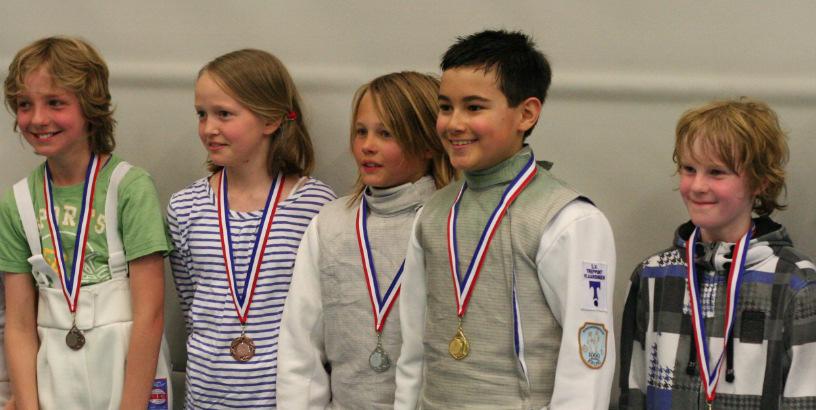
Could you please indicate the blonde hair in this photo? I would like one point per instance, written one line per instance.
(260, 82)
(746, 136)
(76, 66)
(407, 103)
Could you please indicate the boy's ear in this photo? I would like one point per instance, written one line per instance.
(760, 188)
(530, 110)
(272, 126)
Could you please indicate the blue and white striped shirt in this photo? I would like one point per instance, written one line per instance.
(214, 378)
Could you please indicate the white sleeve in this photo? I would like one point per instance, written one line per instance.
(576, 268)
(412, 305)
(302, 381)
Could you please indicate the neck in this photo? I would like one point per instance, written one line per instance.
(70, 171)
(248, 178)
(732, 235)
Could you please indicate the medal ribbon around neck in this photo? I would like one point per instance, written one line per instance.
(463, 287)
(710, 376)
(72, 282)
(243, 300)
(381, 306)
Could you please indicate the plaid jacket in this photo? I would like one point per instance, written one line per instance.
(774, 338)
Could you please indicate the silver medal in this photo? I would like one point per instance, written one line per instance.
(379, 360)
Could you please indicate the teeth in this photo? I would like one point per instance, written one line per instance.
(457, 143)
(46, 135)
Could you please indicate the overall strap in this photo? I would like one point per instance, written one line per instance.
(25, 207)
(116, 251)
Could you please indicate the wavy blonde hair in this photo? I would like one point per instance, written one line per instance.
(407, 103)
(76, 66)
(746, 136)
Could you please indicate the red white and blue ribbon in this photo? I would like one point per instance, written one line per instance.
(243, 299)
(72, 281)
(463, 286)
(710, 375)
(381, 306)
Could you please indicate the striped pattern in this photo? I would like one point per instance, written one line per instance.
(214, 378)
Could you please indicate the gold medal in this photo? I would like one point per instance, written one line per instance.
(242, 348)
(75, 339)
(459, 348)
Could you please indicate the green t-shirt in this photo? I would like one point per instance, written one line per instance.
(141, 223)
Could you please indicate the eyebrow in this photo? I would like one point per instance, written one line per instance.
(469, 98)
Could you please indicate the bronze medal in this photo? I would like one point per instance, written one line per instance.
(242, 348)
(459, 348)
(75, 339)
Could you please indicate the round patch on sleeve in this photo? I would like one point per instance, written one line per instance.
(592, 344)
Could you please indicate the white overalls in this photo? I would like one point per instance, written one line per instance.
(93, 376)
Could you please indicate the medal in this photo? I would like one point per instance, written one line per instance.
(459, 347)
(379, 360)
(72, 281)
(75, 339)
(381, 306)
(243, 348)
(710, 376)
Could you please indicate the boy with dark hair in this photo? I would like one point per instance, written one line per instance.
(507, 296)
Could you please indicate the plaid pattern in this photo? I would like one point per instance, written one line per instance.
(775, 325)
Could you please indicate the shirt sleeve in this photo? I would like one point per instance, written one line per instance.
(412, 305)
(576, 268)
(14, 251)
(140, 216)
(303, 382)
(800, 320)
(633, 335)
(180, 263)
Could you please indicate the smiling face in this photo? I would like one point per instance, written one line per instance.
(381, 161)
(50, 119)
(232, 134)
(719, 200)
(477, 126)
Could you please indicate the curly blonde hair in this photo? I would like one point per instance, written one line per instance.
(746, 136)
(76, 66)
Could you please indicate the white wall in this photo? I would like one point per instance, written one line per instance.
(623, 73)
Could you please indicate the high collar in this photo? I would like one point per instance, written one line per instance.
(714, 255)
(501, 173)
(409, 196)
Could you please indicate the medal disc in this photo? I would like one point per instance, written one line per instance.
(75, 339)
(459, 348)
(379, 360)
(242, 348)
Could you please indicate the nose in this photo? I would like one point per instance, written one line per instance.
(368, 144)
(39, 116)
(453, 122)
(209, 126)
(699, 183)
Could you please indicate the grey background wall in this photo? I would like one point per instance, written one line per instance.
(623, 73)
